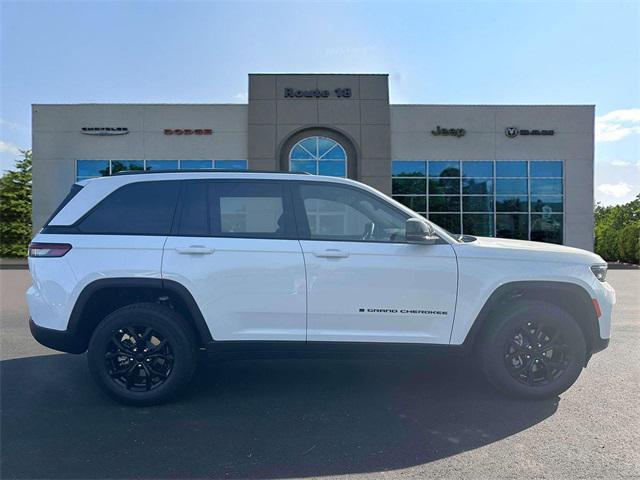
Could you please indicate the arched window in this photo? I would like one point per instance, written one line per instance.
(320, 156)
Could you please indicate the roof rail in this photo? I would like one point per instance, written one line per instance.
(203, 170)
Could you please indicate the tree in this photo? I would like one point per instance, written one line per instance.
(15, 208)
(617, 231)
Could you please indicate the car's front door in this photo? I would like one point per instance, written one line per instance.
(364, 282)
(234, 248)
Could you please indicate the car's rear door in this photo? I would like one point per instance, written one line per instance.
(234, 247)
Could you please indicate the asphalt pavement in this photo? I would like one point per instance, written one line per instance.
(433, 418)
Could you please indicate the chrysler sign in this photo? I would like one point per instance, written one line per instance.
(105, 131)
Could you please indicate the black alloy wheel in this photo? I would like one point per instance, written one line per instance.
(139, 358)
(143, 354)
(532, 350)
(537, 354)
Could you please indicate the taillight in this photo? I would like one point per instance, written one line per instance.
(48, 249)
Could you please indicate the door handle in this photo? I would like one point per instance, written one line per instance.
(331, 253)
(195, 250)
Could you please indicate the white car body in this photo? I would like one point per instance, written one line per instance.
(302, 290)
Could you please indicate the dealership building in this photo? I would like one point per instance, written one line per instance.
(510, 171)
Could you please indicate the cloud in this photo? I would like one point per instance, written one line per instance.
(8, 148)
(242, 97)
(617, 190)
(12, 125)
(618, 124)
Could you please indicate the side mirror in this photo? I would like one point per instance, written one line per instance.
(421, 232)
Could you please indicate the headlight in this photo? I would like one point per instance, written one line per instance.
(600, 271)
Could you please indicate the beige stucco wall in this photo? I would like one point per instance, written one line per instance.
(485, 139)
(58, 141)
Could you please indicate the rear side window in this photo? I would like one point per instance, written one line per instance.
(251, 209)
(141, 208)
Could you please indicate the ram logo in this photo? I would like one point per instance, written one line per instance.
(511, 132)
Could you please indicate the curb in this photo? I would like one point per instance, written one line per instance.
(13, 264)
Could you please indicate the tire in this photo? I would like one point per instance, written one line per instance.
(524, 333)
(142, 354)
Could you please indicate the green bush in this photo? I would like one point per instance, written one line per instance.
(15, 208)
(617, 232)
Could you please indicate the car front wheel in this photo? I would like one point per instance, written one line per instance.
(142, 354)
(534, 350)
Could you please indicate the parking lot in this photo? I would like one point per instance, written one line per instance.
(314, 418)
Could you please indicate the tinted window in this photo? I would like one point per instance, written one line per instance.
(194, 218)
(343, 213)
(250, 209)
(142, 208)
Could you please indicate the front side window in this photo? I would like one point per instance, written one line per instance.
(340, 213)
(318, 156)
(141, 208)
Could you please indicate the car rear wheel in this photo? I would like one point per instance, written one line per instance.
(534, 350)
(142, 354)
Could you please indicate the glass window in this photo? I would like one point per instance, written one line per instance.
(546, 186)
(415, 203)
(332, 169)
(511, 203)
(478, 186)
(346, 214)
(448, 186)
(546, 228)
(318, 155)
(477, 169)
(448, 221)
(194, 215)
(306, 166)
(546, 203)
(126, 165)
(141, 208)
(195, 164)
(91, 168)
(444, 169)
(511, 185)
(402, 168)
(231, 164)
(439, 203)
(407, 186)
(511, 169)
(479, 203)
(512, 225)
(480, 225)
(546, 169)
(250, 209)
(159, 165)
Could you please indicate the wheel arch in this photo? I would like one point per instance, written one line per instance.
(103, 296)
(572, 298)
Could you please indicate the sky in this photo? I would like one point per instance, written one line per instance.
(434, 52)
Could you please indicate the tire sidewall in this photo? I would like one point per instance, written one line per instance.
(164, 321)
(503, 328)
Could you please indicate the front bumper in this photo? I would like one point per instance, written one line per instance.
(61, 340)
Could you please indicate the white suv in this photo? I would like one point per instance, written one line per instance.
(143, 270)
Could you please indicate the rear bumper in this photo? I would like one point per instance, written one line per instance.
(61, 340)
